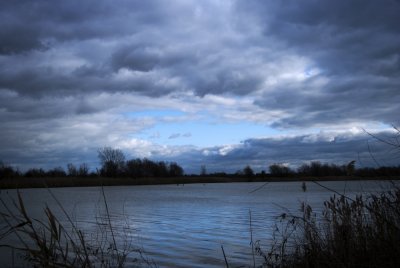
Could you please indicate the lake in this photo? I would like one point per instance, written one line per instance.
(185, 225)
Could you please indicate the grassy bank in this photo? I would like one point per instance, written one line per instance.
(19, 183)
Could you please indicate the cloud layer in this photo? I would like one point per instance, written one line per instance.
(70, 72)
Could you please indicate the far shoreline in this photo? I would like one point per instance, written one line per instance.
(21, 183)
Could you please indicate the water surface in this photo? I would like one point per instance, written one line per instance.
(186, 225)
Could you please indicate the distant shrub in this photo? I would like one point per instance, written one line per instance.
(56, 172)
(279, 170)
(317, 169)
(248, 172)
(7, 171)
(174, 170)
(35, 173)
(137, 168)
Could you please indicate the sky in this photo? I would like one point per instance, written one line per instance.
(223, 84)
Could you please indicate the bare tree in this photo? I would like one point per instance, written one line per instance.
(112, 161)
(72, 171)
(83, 170)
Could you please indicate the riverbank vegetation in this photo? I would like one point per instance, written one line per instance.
(350, 232)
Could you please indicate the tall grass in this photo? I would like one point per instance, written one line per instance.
(50, 242)
(350, 232)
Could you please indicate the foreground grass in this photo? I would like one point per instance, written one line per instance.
(359, 232)
(49, 242)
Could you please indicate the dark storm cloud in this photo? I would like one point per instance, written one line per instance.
(43, 81)
(355, 45)
(144, 57)
(34, 33)
(342, 36)
(347, 101)
(140, 36)
(137, 59)
(294, 151)
(154, 48)
(28, 25)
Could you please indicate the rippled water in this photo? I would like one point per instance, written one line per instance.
(186, 225)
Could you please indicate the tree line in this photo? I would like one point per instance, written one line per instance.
(311, 169)
(113, 164)
(318, 169)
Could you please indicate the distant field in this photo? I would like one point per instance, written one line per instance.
(14, 183)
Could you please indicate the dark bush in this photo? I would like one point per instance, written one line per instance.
(279, 170)
(317, 169)
(7, 171)
(35, 173)
(175, 170)
(56, 172)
